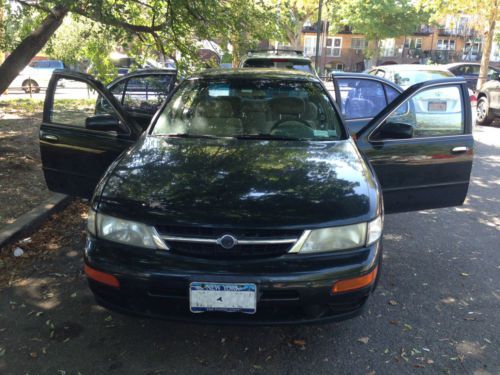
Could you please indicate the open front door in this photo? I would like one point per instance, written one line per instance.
(421, 146)
(79, 139)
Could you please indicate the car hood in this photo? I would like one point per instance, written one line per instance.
(247, 183)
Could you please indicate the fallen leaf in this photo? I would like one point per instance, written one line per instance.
(109, 318)
(364, 340)
(393, 302)
(299, 342)
(464, 274)
(34, 354)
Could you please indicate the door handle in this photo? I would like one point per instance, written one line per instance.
(50, 137)
(459, 149)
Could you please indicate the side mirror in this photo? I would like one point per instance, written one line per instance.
(396, 130)
(102, 123)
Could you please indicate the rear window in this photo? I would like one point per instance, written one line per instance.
(242, 107)
(282, 63)
(410, 77)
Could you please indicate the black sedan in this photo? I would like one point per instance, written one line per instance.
(246, 200)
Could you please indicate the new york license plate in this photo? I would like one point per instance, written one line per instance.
(436, 106)
(222, 297)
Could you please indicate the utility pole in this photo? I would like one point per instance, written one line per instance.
(318, 35)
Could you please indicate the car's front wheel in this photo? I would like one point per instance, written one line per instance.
(484, 115)
(31, 86)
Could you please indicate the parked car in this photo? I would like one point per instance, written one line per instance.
(470, 71)
(246, 200)
(36, 75)
(488, 102)
(405, 75)
(280, 59)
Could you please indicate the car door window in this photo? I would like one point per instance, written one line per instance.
(76, 104)
(146, 93)
(361, 98)
(436, 111)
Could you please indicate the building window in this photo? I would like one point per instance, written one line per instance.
(333, 46)
(359, 43)
(310, 46)
(413, 43)
(446, 44)
(387, 47)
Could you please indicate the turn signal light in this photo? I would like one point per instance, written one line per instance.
(102, 277)
(355, 283)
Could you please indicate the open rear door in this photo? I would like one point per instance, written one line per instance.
(421, 146)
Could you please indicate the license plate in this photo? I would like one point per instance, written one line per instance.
(222, 297)
(436, 106)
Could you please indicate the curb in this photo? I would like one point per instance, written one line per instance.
(33, 219)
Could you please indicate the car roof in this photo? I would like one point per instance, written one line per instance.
(256, 73)
(366, 76)
(410, 67)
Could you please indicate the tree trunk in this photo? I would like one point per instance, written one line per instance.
(376, 52)
(488, 41)
(30, 46)
(2, 36)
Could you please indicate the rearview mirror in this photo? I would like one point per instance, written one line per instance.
(396, 130)
(104, 122)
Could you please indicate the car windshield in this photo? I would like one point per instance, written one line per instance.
(250, 109)
(281, 63)
(410, 77)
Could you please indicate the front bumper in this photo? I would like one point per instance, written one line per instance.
(291, 289)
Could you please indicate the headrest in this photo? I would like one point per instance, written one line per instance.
(218, 107)
(287, 105)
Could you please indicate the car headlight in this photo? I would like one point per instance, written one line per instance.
(124, 231)
(340, 238)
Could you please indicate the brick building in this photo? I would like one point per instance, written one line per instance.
(455, 40)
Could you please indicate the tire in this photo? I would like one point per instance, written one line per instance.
(35, 87)
(483, 115)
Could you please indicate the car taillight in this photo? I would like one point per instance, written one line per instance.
(473, 100)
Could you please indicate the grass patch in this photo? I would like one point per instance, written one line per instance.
(23, 106)
(30, 106)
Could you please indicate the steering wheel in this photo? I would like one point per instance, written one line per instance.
(294, 125)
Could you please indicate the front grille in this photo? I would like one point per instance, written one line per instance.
(215, 232)
(201, 241)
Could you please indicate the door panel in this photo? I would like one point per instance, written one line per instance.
(421, 146)
(76, 144)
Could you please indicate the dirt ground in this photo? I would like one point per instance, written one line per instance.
(22, 185)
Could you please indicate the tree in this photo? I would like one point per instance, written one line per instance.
(378, 19)
(30, 46)
(164, 27)
(485, 15)
(293, 14)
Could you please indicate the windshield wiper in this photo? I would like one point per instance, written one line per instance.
(268, 137)
(186, 135)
